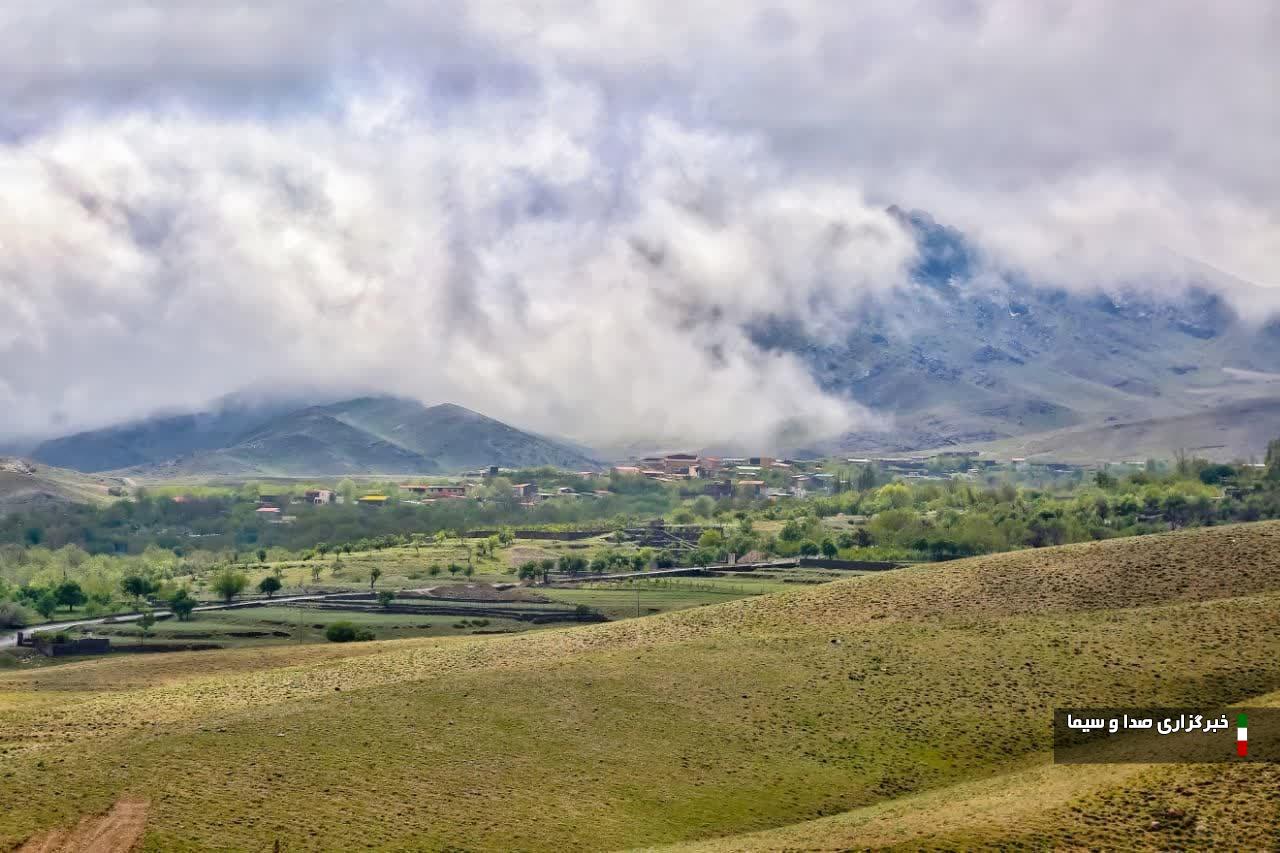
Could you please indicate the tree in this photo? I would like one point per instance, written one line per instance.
(546, 565)
(454, 568)
(374, 574)
(434, 570)
(229, 583)
(808, 548)
(137, 586)
(47, 604)
(385, 597)
(145, 621)
(70, 595)
(269, 585)
(348, 491)
(1273, 459)
(468, 570)
(181, 603)
(829, 549)
(262, 555)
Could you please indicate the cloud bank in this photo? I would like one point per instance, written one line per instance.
(565, 214)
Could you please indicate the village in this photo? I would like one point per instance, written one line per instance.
(751, 478)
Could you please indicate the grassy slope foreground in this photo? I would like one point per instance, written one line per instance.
(905, 709)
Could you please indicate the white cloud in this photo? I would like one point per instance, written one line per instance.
(564, 213)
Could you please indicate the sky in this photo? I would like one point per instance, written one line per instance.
(564, 214)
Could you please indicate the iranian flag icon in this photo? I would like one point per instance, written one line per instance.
(1242, 735)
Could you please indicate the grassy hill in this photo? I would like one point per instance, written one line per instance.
(908, 708)
(24, 485)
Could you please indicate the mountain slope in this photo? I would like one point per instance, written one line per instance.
(962, 355)
(159, 438)
(24, 485)
(744, 717)
(371, 435)
(1231, 430)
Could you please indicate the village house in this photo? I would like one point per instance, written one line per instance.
(750, 488)
(680, 465)
(319, 496)
(626, 470)
(524, 491)
(372, 500)
(718, 489)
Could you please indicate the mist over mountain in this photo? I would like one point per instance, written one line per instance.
(627, 227)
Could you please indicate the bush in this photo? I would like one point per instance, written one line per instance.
(14, 615)
(345, 632)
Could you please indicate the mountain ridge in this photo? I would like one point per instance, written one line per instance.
(363, 435)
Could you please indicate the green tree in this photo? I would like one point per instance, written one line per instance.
(145, 621)
(1273, 459)
(137, 586)
(229, 583)
(434, 570)
(374, 574)
(385, 597)
(181, 603)
(262, 555)
(70, 595)
(269, 585)
(829, 549)
(348, 491)
(47, 604)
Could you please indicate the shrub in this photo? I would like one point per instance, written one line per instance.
(14, 615)
(345, 632)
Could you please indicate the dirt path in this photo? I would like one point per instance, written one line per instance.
(117, 831)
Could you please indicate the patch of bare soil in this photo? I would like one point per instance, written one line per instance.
(117, 831)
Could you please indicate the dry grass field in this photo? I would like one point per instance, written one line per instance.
(908, 709)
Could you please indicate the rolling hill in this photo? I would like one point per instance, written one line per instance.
(367, 435)
(908, 709)
(26, 485)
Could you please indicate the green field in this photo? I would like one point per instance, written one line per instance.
(901, 709)
(265, 625)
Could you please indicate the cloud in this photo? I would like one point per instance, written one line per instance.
(566, 213)
(503, 262)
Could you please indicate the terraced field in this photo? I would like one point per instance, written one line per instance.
(907, 709)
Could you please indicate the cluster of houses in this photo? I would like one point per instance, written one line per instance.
(729, 476)
(721, 477)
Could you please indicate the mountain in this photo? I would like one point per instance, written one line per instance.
(367, 435)
(163, 437)
(962, 355)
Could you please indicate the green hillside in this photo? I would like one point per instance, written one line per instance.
(372, 435)
(899, 693)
